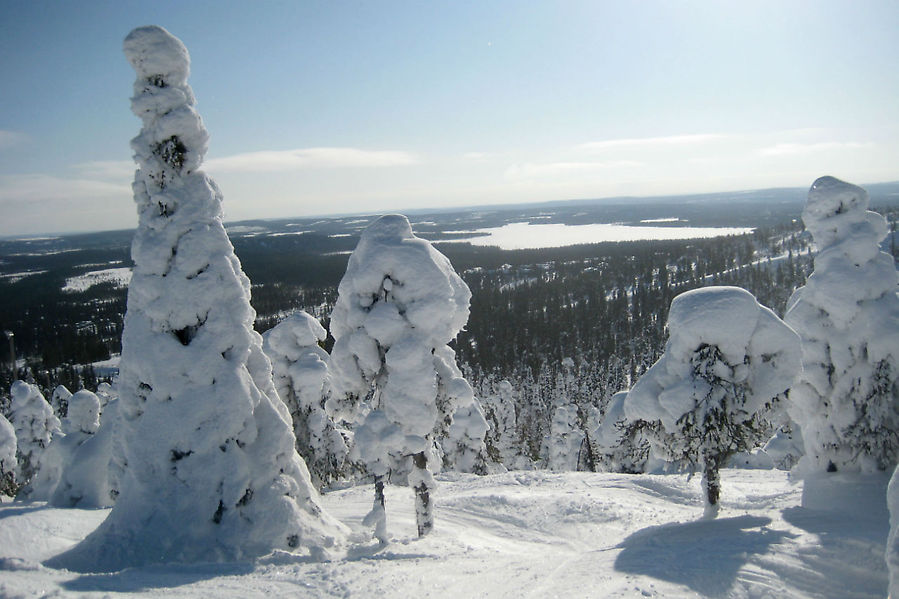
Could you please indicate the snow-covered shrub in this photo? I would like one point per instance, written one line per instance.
(60, 401)
(211, 468)
(847, 314)
(106, 393)
(726, 361)
(7, 457)
(399, 304)
(300, 372)
(35, 426)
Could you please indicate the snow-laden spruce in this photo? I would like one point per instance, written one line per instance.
(847, 314)
(726, 361)
(399, 304)
(60, 401)
(35, 425)
(7, 457)
(300, 371)
(70, 475)
(211, 469)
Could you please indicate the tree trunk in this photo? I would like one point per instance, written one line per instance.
(424, 510)
(377, 517)
(711, 483)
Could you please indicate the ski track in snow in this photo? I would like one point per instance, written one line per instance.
(518, 534)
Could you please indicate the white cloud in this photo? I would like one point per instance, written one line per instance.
(651, 142)
(44, 188)
(556, 169)
(107, 170)
(9, 139)
(309, 158)
(794, 149)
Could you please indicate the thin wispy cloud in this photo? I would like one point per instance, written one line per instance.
(310, 158)
(794, 149)
(555, 169)
(9, 139)
(651, 142)
(48, 188)
(107, 170)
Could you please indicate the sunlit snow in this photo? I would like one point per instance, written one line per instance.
(120, 277)
(523, 236)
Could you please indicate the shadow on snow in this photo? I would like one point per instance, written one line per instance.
(705, 555)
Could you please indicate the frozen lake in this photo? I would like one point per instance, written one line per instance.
(523, 236)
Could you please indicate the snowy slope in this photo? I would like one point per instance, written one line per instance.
(520, 534)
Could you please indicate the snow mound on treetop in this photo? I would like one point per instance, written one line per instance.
(731, 319)
(152, 50)
(433, 297)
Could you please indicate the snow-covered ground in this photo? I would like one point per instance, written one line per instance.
(520, 534)
(521, 236)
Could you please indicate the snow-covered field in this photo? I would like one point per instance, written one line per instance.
(521, 236)
(120, 277)
(519, 534)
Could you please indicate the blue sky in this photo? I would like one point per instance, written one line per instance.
(333, 107)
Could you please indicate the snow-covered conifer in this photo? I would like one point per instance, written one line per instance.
(106, 393)
(212, 473)
(727, 359)
(399, 304)
(892, 551)
(502, 436)
(60, 401)
(35, 426)
(7, 457)
(300, 370)
(847, 314)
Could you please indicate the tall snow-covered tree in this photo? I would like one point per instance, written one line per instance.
(212, 473)
(35, 427)
(300, 370)
(502, 436)
(847, 314)
(7, 457)
(726, 361)
(399, 304)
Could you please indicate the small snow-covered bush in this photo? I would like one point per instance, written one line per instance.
(847, 314)
(726, 361)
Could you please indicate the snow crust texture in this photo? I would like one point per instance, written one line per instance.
(847, 401)
(211, 469)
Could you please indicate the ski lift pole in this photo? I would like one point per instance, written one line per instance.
(12, 354)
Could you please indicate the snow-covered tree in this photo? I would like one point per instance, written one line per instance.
(35, 426)
(399, 304)
(892, 551)
(58, 478)
(60, 401)
(463, 446)
(502, 435)
(726, 361)
(847, 314)
(8, 461)
(300, 370)
(212, 472)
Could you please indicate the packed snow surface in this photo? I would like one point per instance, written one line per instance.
(519, 534)
(524, 236)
